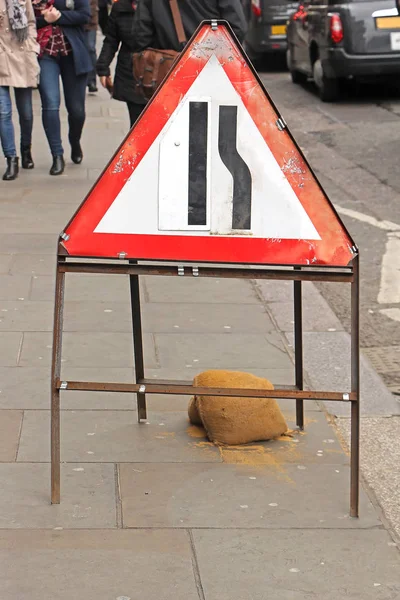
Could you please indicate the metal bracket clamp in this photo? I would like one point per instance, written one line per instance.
(181, 270)
(346, 397)
(195, 271)
(281, 124)
(214, 25)
(64, 236)
(122, 255)
(142, 389)
(64, 385)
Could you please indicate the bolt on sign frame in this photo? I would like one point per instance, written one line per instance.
(330, 255)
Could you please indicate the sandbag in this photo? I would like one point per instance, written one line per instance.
(194, 416)
(234, 420)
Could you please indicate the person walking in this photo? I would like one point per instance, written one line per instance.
(91, 33)
(63, 52)
(19, 69)
(119, 39)
(154, 27)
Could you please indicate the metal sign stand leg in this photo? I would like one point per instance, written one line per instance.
(355, 388)
(55, 392)
(298, 350)
(137, 342)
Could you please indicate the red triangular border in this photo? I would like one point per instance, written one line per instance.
(335, 248)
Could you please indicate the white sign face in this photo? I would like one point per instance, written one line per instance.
(209, 172)
(395, 40)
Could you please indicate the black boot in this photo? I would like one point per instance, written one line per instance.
(76, 153)
(57, 168)
(26, 158)
(12, 169)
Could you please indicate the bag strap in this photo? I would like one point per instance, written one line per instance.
(176, 15)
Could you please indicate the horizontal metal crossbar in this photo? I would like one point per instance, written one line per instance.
(302, 274)
(187, 390)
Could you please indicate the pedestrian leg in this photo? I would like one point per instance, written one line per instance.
(75, 97)
(91, 42)
(23, 100)
(135, 110)
(49, 89)
(7, 135)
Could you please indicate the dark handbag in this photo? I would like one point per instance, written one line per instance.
(151, 66)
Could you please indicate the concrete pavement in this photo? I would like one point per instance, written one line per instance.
(154, 510)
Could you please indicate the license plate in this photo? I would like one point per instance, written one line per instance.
(278, 29)
(388, 22)
(395, 40)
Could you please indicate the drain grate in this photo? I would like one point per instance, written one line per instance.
(385, 359)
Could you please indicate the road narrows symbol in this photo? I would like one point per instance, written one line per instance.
(227, 140)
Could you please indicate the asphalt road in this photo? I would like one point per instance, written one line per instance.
(354, 148)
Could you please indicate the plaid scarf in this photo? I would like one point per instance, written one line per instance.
(18, 19)
(44, 33)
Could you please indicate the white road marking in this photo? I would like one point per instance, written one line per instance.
(392, 313)
(354, 214)
(389, 289)
(389, 292)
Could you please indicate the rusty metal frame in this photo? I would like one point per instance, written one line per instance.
(143, 385)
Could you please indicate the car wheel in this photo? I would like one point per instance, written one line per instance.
(297, 76)
(328, 89)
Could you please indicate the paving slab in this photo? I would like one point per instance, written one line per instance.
(23, 315)
(380, 457)
(44, 264)
(10, 427)
(274, 291)
(10, 348)
(222, 351)
(88, 497)
(62, 194)
(114, 436)
(28, 388)
(333, 349)
(207, 289)
(270, 496)
(5, 263)
(24, 387)
(167, 317)
(315, 317)
(97, 565)
(298, 565)
(14, 287)
(88, 349)
(38, 217)
(23, 243)
(84, 287)
(278, 376)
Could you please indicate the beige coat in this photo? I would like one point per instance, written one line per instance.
(19, 65)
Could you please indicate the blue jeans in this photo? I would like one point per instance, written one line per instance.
(51, 68)
(23, 100)
(91, 44)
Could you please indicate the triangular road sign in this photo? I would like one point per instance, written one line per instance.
(211, 173)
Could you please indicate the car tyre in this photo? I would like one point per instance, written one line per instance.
(328, 89)
(296, 76)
